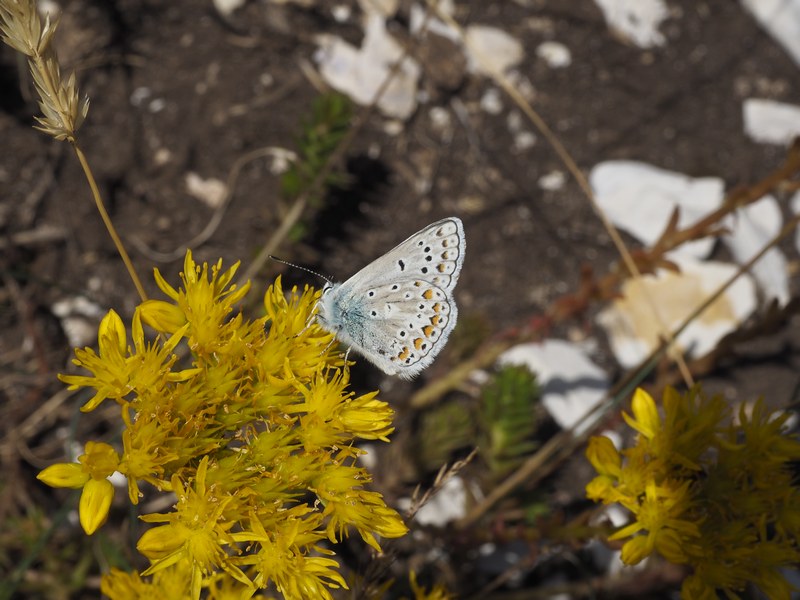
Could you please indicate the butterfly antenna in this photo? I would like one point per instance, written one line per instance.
(307, 270)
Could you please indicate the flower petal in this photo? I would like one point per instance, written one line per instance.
(68, 475)
(95, 502)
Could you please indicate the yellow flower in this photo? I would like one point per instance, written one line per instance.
(97, 463)
(367, 418)
(111, 377)
(197, 533)
(659, 515)
(346, 504)
(332, 416)
(169, 584)
(645, 414)
(68, 475)
(206, 301)
(117, 370)
(255, 438)
(162, 316)
(147, 448)
(608, 463)
(296, 347)
(720, 498)
(280, 557)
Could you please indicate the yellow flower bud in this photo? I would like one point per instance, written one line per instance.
(68, 475)
(636, 549)
(111, 336)
(162, 316)
(95, 502)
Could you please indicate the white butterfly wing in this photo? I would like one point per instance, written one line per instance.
(401, 328)
(434, 255)
(398, 311)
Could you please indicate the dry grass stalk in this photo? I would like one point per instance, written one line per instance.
(62, 107)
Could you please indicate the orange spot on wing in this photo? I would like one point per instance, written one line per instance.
(435, 320)
(418, 343)
(427, 294)
(437, 307)
(441, 268)
(427, 330)
(404, 354)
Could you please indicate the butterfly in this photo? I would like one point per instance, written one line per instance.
(399, 310)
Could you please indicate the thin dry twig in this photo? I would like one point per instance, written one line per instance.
(445, 474)
(44, 234)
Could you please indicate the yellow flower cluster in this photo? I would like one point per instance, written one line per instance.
(255, 438)
(707, 492)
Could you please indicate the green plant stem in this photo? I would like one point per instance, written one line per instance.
(107, 221)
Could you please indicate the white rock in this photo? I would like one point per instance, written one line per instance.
(771, 122)
(434, 25)
(440, 119)
(80, 318)
(640, 199)
(636, 20)
(491, 50)
(751, 228)
(524, 140)
(341, 13)
(634, 331)
(555, 54)
(210, 192)
(448, 504)
(781, 19)
(552, 181)
(226, 7)
(282, 159)
(384, 8)
(156, 105)
(360, 72)
(492, 101)
(139, 95)
(572, 385)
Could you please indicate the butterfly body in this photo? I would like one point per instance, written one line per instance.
(398, 311)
